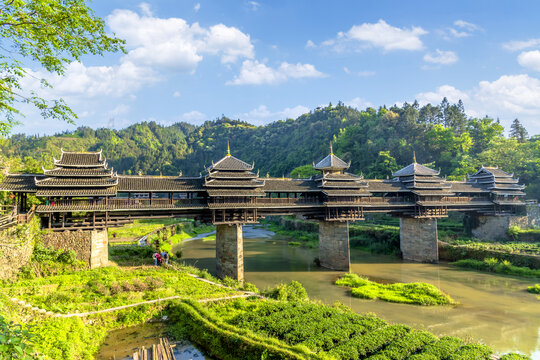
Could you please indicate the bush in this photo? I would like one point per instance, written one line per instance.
(535, 289)
(401, 348)
(411, 293)
(15, 341)
(514, 356)
(293, 291)
(441, 349)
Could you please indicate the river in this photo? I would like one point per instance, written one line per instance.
(494, 309)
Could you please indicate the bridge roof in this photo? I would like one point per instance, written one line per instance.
(133, 183)
(78, 172)
(20, 182)
(111, 191)
(415, 169)
(80, 159)
(63, 182)
(331, 162)
(230, 163)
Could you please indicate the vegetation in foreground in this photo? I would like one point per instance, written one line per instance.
(410, 293)
(302, 329)
(499, 267)
(510, 247)
(534, 289)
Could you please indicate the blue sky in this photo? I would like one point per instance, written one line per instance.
(263, 61)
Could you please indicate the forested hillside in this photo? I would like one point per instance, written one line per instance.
(376, 142)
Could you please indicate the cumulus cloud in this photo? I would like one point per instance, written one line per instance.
(508, 97)
(262, 115)
(194, 117)
(174, 44)
(380, 35)
(257, 73)
(310, 45)
(530, 59)
(359, 103)
(518, 45)
(441, 57)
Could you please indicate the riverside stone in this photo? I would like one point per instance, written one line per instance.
(230, 252)
(334, 245)
(494, 228)
(418, 239)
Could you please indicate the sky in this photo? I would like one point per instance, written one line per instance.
(263, 61)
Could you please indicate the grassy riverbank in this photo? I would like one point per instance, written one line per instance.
(410, 293)
(499, 267)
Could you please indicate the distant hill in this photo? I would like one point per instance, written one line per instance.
(376, 141)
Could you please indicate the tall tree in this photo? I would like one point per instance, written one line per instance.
(518, 131)
(51, 33)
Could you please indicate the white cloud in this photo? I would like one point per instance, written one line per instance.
(145, 9)
(256, 73)
(381, 35)
(464, 29)
(358, 103)
(467, 25)
(81, 82)
(174, 44)
(441, 57)
(120, 109)
(310, 45)
(346, 69)
(193, 117)
(262, 115)
(176, 94)
(197, 7)
(254, 5)
(366, 73)
(530, 59)
(508, 97)
(517, 45)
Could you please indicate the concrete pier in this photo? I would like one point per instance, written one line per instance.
(418, 239)
(230, 252)
(334, 245)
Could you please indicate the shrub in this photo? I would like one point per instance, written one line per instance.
(411, 293)
(15, 341)
(472, 351)
(441, 349)
(514, 356)
(401, 348)
(535, 289)
(513, 232)
(293, 291)
(493, 265)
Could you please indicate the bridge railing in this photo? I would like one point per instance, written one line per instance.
(125, 202)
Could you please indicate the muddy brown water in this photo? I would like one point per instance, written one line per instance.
(494, 309)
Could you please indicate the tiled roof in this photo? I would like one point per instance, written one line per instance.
(221, 192)
(331, 162)
(289, 185)
(234, 183)
(428, 185)
(506, 186)
(420, 178)
(343, 184)
(415, 169)
(457, 186)
(497, 172)
(76, 182)
(19, 182)
(342, 177)
(78, 172)
(385, 186)
(77, 192)
(157, 184)
(230, 163)
(502, 192)
(349, 192)
(80, 159)
(231, 175)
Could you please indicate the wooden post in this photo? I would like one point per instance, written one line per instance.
(150, 195)
(50, 220)
(63, 220)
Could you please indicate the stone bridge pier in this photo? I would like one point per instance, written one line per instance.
(334, 245)
(418, 239)
(91, 246)
(493, 228)
(230, 252)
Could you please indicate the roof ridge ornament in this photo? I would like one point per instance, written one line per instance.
(414, 157)
(331, 149)
(228, 149)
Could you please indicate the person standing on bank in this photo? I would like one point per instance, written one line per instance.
(157, 259)
(165, 257)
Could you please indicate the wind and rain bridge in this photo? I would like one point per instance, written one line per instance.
(82, 197)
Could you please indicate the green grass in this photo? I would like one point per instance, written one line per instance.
(109, 287)
(140, 227)
(409, 293)
(511, 247)
(499, 267)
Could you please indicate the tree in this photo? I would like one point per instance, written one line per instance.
(304, 172)
(384, 166)
(51, 33)
(518, 131)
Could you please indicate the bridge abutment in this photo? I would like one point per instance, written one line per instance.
(494, 228)
(91, 246)
(334, 245)
(230, 252)
(418, 239)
